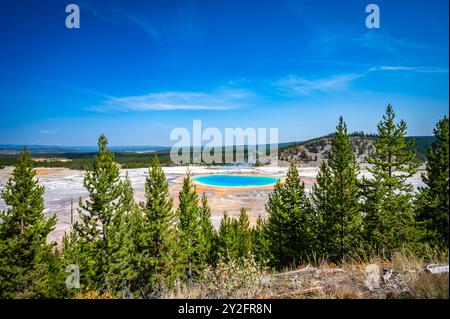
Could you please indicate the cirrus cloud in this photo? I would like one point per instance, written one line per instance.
(224, 99)
(299, 85)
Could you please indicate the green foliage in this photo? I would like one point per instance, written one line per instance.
(389, 216)
(421, 145)
(102, 238)
(433, 201)
(243, 234)
(29, 267)
(235, 237)
(235, 278)
(289, 231)
(190, 232)
(336, 199)
(260, 242)
(227, 247)
(154, 234)
(208, 233)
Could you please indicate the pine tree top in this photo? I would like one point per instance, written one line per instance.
(394, 157)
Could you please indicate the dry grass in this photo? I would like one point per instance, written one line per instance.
(402, 277)
(92, 294)
(428, 286)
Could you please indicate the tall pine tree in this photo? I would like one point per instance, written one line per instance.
(227, 244)
(28, 266)
(121, 273)
(389, 216)
(189, 231)
(243, 234)
(102, 236)
(433, 200)
(289, 230)
(156, 236)
(208, 233)
(260, 242)
(336, 199)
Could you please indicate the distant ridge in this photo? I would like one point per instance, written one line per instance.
(55, 149)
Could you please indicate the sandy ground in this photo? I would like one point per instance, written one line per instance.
(63, 185)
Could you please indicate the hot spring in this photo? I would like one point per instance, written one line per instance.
(228, 180)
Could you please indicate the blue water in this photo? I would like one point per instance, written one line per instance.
(225, 180)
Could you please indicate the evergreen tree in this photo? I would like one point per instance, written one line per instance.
(289, 220)
(121, 273)
(260, 242)
(433, 201)
(336, 199)
(28, 265)
(139, 284)
(156, 232)
(243, 234)
(190, 237)
(389, 216)
(227, 247)
(209, 234)
(102, 236)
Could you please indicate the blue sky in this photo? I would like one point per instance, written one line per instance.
(135, 70)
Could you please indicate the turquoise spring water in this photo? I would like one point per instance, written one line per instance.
(226, 180)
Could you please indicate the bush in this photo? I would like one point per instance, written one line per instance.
(235, 278)
(241, 278)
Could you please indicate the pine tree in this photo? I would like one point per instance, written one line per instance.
(336, 199)
(227, 247)
(121, 273)
(102, 236)
(289, 220)
(190, 237)
(260, 242)
(243, 235)
(139, 283)
(28, 265)
(433, 201)
(389, 216)
(156, 236)
(209, 234)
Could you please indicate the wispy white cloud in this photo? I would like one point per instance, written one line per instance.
(175, 22)
(223, 99)
(385, 41)
(299, 85)
(372, 40)
(294, 84)
(419, 69)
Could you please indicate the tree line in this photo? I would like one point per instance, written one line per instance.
(124, 248)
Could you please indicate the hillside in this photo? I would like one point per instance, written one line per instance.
(316, 150)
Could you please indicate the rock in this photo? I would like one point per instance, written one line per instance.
(437, 269)
(372, 279)
(387, 273)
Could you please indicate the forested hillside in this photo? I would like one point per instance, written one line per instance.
(317, 149)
